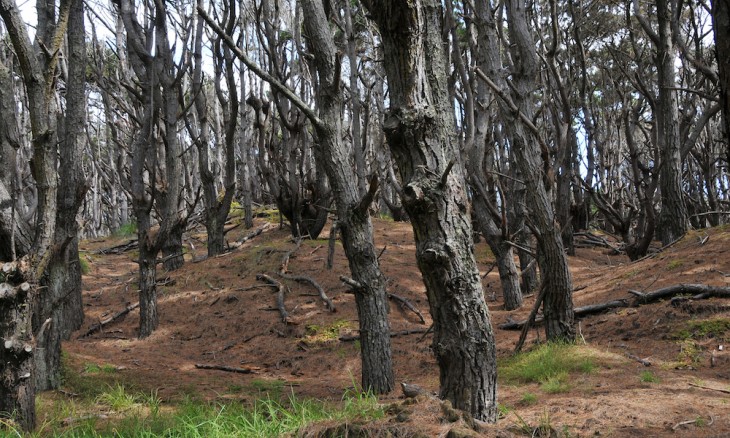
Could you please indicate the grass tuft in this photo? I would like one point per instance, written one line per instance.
(549, 364)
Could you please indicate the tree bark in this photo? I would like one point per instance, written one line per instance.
(420, 132)
(721, 26)
(353, 217)
(534, 167)
(17, 388)
(62, 301)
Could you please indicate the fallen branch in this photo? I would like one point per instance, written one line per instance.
(100, 325)
(680, 289)
(118, 249)
(284, 267)
(695, 421)
(724, 391)
(579, 312)
(350, 338)
(404, 303)
(279, 295)
(201, 366)
(304, 279)
(644, 362)
(531, 319)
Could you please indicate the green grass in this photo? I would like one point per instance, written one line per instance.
(648, 377)
(127, 230)
(316, 334)
(549, 365)
(104, 406)
(708, 328)
(84, 265)
(674, 264)
(528, 399)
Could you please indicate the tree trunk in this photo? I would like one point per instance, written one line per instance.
(420, 133)
(61, 300)
(148, 317)
(721, 25)
(673, 219)
(353, 217)
(534, 167)
(17, 388)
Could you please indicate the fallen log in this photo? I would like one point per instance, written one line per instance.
(284, 267)
(100, 325)
(279, 295)
(304, 279)
(202, 366)
(578, 311)
(702, 291)
(404, 303)
(350, 338)
(118, 249)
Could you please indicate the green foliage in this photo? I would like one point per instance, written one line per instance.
(689, 352)
(316, 334)
(528, 399)
(127, 230)
(549, 364)
(674, 264)
(708, 328)
(84, 265)
(648, 377)
(117, 398)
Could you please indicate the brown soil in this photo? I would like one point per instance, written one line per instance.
(213, 314)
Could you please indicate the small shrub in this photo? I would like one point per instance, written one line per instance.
(709, 328)
(674, 264)
(648, 377)
(316, 334)
(549, 362)
(128, 229)
(528, 399)
(556, 384)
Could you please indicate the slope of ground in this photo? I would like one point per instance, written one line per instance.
(215, 312)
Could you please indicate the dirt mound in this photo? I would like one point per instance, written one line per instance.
(216, 313)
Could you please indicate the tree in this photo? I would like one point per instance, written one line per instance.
(332, 155)
(420, 132)
(721, 26)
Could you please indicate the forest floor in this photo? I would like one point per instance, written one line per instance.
(215, 312)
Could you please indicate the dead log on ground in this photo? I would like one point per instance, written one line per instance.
(350, 338)
(404, 303)
(118, 249)
(579, 313)
(304, 279)
(279, 295)
(284, 267)
(202, 366)
(701, 291)
(100, 325)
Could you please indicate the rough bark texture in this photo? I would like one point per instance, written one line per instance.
(354, 219)
(420, 132)
(17, 389)
(721, 25)
(61, 297)
(494, 228)
(673, 219)
(534, 169)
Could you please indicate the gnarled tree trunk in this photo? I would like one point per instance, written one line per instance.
(420, 132)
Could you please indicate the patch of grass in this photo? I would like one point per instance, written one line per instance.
(84, 265)
(317, 334)
(503, 410)
(556, 384)
(549, 364)
(92, 368)
(126, 230)
(528, 399)
(718, 328)
(117, 398)
(632, 273)
(674, 264)
(689, 352)
(648, 377)
(272, 388)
